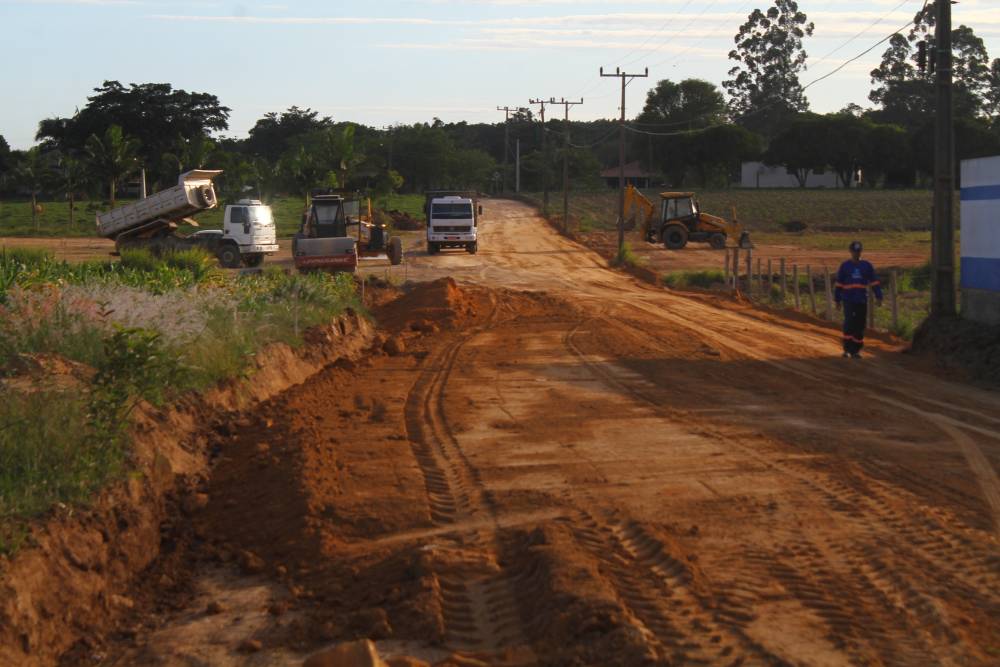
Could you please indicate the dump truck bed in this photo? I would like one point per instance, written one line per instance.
(193, 193)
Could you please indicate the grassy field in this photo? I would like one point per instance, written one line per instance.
(146, 328)
(771, 210)
(53, 221)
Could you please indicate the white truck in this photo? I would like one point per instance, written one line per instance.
(452, 221)
(246, 237)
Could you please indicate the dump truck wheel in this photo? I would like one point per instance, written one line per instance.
(229, 256)
(432, 248)
(717, 241)
(472, 248)
(206, 196)
(675, 237)
(395, 250)
(253, 261)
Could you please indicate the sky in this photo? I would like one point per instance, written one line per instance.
(384, 62)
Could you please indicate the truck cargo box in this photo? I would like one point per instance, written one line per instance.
(193, 193)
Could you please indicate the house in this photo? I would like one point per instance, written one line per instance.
(760, 175)
(634, 175)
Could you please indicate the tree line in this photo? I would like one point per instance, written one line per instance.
(691, 131)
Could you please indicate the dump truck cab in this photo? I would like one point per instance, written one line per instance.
(681, 220)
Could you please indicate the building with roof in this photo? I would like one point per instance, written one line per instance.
(634, 175)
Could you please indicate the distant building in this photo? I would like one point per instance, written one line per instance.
(634, 175)
(981, 239)
(760, 175)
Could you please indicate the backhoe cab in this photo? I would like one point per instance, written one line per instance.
(681, 221)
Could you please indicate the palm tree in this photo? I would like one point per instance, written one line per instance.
(113, 157)
(70, 176)
(190, 153)
(303, 172)
(30, 174)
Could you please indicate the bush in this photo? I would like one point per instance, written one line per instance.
(625, 257)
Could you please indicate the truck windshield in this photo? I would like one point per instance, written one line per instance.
(260, 215)
(451, 211)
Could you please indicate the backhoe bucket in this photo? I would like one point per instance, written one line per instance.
(745, 241)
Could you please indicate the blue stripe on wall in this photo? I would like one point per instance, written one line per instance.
(981, 273)
(981, 192)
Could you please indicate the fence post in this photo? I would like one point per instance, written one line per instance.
(894, 287)
(736, 269)
(760, 276)
(750, 273)
(770, 277)
(725, 267)
(795, 282)
(784, 281)
(829, 293)
(812, 287)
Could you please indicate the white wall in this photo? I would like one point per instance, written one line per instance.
(759, 175)
(981, 223)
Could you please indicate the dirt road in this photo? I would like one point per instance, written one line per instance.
(568, 467)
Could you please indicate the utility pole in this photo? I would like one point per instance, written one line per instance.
(545, 158)
(626, 79)
(943, 244)
(506, 142)
(566, 104)
(517, 168)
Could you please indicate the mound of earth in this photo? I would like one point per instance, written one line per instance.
(970, 347)
(405, 221)
(442, 304)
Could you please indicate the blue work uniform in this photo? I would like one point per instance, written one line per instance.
(853, 281)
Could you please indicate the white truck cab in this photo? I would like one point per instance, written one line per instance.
(249, 225)
(452, 222)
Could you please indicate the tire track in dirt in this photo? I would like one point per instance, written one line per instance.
(480, 612)
(947, 557)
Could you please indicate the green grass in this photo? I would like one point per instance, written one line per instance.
(53, 221)
(626, 257)
(771, 210)
(59, 446)
(701, 279)
(838, 241)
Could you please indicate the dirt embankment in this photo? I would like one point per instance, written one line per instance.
(955, 344)
(73, 584)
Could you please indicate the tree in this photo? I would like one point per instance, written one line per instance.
(991, 96)
(905, 93)
(189, 153)
(764, 88)
(798, 149)
(690, 104)
(273, 134)
(113, 157)
(303, 172)
(887, 158)
(69, 176)
(716, 153)
(154, 113)
(4, 155)
(30, 174)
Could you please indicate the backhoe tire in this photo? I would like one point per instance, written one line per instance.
(395, 250)
(675, 237)
(717, 241)
(229, 256)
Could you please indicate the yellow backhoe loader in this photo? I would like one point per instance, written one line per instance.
(681, 221)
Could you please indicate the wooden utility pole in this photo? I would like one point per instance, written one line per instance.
(626, 78)
(545, 158)
(566, 104)
(506, 143)
(943, 239)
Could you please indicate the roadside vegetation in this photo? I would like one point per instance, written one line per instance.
(144, 328)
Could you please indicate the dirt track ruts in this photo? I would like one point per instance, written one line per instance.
(598, 471)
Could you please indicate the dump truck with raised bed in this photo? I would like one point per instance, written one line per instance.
(324, 242)
(246, 237)
(452, 220)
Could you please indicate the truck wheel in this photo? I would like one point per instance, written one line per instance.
(253, 261)
(717, 241)
(675, 237)
(472, 248)
(229, 256)
(206, 195)
(395, 250)
(432, 248)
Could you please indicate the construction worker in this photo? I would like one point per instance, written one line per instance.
(853, 280)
